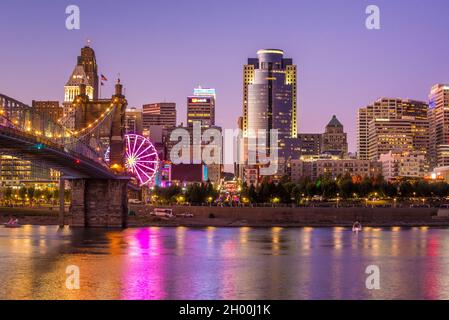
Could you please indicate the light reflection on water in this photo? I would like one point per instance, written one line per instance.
(224, 263)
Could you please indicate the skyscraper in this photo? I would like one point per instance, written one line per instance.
(335, 140)
(388, 109)
(89, 62)
(387, 135)
(201, 107)
(439, 125)
(270, 93)
(270, 102)
(85, 72)
(133, 121)
(159, 114)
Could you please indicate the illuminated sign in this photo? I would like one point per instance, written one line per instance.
(204, 92)
(199, 100)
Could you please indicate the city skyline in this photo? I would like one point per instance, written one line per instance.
(342, 66)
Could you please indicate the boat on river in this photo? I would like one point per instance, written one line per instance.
(357, 227)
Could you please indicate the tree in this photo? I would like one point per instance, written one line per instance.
(8, 193)
(30, 193)
(406, 189)
(252, 194)
(346, 187)
(22, 193)
(366, 187)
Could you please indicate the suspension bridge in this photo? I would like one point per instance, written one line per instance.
(99, 186)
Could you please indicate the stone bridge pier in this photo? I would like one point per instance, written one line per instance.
(99, 203)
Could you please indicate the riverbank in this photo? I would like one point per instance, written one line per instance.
(292, 217)
(256, 217)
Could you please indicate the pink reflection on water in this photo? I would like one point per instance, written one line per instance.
(144, 270)
(432, 268)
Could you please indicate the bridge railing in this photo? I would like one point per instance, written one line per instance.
(45, 130)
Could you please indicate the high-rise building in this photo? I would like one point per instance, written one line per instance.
(159, 114)
(270, 73)
(439, 125)
(310, 144)
(133, 121)
(85, 72)
(335, 141)
(269, 103)
(387, 135)
(270, 93)
(201, 107)
(49, 109)
(392, 108)
(89, 62)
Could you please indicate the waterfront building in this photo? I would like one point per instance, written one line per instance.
(439, 125)
(333, 168)
(162, 113)
(215, 170)
(397, 165)
(49, 109)
(133, 121)
(388, 109)
(18, 172)
(15, 171)
(389, 134)
(310, 144)
(335, 141)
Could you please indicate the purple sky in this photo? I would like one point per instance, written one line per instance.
(164, 48)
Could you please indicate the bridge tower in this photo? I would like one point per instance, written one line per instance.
(102, 202)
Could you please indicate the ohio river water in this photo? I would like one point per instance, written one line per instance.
(224, 263)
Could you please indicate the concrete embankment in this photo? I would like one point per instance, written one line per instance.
(256, 217)
(294, 217)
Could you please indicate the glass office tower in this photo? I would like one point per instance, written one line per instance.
(270, 97)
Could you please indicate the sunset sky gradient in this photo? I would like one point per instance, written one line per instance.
(164, 48)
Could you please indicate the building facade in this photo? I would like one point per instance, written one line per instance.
(388, 109)
(50, 109)
(333, 168)
(387, 135)
(133, 121)
(159, 114)
(270, 103)
(439, 125)
(196, 149)
(85, 72)
(397, 165)
(335, 140)
(310, 144)
(201, 109)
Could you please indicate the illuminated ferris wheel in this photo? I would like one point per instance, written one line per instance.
(141, 158)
